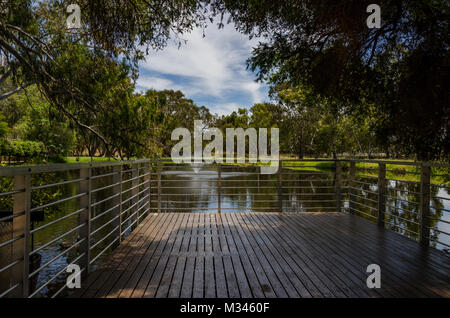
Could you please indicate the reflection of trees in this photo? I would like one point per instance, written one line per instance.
(402, 205)
(309, 191)
(302, 191)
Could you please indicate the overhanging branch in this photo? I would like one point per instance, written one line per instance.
(14, 91)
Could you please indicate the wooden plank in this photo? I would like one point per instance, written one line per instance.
(121, 255)
(169, 268)
(190, 244)
(232, 283)
(177, 280)
(257, 278)
(342, 277)
(333, 245)
(158, 263)
(188, 279)
(252, 249)
(354, 277)
(361, 256)
(248, 282)
(137, 281)
(243, 285)
(265, 255)
(199, 272)
(411, 252)
(210, 282)
(137, 256)
(175, 286)
(319, 278)
(395, 261)
(221, 283)
(308, 255)
(408, 247)
(267, 258)
(302, 284)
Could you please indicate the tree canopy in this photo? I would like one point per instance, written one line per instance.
(319, 56)
(402, 67)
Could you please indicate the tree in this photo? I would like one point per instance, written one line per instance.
(66, 65)
(31, 118)
(402, 67)
(176, 111)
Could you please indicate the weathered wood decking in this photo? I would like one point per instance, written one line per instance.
(266, 255)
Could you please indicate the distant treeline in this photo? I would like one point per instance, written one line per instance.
(141, 126)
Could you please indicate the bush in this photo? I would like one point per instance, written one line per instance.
(22, 149)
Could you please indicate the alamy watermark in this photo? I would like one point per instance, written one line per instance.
(374, 19)
(374, 279)
(213, 151)
(73, 21)
(74, 279)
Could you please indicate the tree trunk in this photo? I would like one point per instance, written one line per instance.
(300, 148)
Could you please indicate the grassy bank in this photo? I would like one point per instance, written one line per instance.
(399, 172)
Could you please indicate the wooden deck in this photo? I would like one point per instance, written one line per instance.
(266, 255)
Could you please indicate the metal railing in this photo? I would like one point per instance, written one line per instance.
(86, 210)
(90, 209)
(404, 197)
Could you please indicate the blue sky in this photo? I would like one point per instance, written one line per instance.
(210, 70)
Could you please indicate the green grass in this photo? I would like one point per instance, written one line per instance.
(86, 159)
(405, 172)
(393, 171)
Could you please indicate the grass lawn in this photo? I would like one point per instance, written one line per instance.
(87, 159)
(393, 171)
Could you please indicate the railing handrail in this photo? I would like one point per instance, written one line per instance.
(61, 167)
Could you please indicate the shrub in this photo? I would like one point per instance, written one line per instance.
(23, 149)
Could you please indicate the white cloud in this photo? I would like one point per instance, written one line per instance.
(224, 109)
(208, 68)
(148, 82)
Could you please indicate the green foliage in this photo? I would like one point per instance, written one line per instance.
(3, 126)
(174, 110)
(23, 149)
(402, 68)
(33, 119)
(79, 71)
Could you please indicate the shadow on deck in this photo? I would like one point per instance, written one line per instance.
(266, 255)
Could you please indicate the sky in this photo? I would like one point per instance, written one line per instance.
(210, 70)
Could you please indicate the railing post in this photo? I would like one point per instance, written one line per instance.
(21, 226)
(159, 186)
(85, 218)
(280, 185)
(219, 187)
(338, 186)
(148, 171)
(351, 184)
(135, 191)
(117, 189)
(425, 177)
(381, 193)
